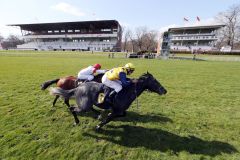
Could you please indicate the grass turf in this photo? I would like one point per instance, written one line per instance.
(197, 119)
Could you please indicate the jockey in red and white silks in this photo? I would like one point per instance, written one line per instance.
(89, 72)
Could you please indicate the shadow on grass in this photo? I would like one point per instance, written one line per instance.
(130, 117)
(144, 118)
(136, 117)
(160, 140)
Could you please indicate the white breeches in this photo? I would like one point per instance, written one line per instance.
(116, 85)
(85, 77)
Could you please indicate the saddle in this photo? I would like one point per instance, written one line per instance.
(104, 94)
(80, 81)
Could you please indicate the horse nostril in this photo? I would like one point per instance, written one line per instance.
(165, 91)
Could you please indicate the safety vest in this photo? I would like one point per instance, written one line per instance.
(113, 74)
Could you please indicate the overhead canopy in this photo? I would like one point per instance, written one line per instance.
(195, 27)
(68, 25)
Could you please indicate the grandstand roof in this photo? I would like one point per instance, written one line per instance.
(67, 25)
(195, 27)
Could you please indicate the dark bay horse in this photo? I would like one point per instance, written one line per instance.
(86, 96)
(67, 83)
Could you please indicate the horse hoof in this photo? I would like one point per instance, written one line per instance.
(53, 109)
(99, 117)
(75, 124)
(98, 128)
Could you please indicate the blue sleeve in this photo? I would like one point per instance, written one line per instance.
(123, 79)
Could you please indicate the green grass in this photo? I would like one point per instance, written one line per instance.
(230, 58)
(197, 119)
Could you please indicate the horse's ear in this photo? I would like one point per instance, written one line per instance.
(147, 72)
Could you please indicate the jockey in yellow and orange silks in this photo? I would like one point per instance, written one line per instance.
(117, 77)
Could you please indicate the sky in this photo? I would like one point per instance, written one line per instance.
(153, 14)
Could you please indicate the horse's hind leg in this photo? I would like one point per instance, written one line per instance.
(66, 101)
(55, 100)
(74, 115)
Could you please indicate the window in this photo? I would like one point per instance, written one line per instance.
(50, 31)
(106, 40)
(106, 30)
(77, 30)
(70, 31)
(62, 31)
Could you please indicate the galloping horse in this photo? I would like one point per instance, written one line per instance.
(67, 83)
(87, 94)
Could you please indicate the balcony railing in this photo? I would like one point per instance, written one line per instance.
(195, 34)
(70, 36)
(194, 38)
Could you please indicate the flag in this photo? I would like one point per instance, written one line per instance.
(185, 19)
(198, 19)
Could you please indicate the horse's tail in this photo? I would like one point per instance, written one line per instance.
(48, 83)
(61, 92)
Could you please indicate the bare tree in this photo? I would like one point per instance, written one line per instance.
(1, 38)
(231, 18)
(132, 40)
(150, 41)
(12, 41)
(142, 40)
(126, 37)
(140, 34)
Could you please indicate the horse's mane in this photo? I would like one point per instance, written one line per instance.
(145, 75)
(141, 78)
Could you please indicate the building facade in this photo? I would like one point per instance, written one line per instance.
(104, 35)
(202, 38)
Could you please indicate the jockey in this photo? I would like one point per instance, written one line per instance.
(117, 77)
(89, 72)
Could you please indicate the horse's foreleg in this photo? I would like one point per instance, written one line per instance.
(109, 118)
(55, 100)
(96, 112)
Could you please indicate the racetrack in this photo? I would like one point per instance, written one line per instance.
(197, 119)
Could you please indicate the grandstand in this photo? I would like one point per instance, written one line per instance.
(201, 38)
(104, 35)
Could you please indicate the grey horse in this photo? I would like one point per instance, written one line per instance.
(86, 96)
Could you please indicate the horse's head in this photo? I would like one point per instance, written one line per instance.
(152, 84)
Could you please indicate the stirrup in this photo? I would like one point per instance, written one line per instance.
(101, 97)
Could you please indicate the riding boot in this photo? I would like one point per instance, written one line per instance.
(112, 94)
